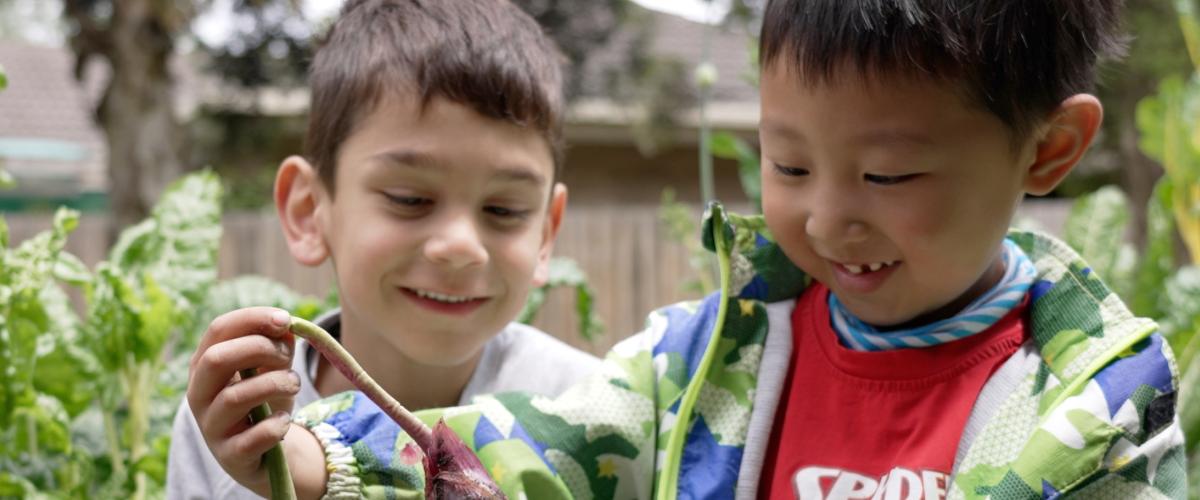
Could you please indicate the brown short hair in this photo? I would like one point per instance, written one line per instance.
(486, 54)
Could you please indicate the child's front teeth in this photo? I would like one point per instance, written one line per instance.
(875, 266)
(441, 298)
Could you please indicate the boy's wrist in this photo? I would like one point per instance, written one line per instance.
(306, 460)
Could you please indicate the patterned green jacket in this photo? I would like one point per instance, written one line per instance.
(1085, 409)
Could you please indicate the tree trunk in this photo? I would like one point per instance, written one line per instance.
(136, 112)
(1138, 172)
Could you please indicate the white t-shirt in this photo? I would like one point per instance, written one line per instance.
(520, 358)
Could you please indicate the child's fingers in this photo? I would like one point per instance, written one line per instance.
(269, 321)
(213, 369)
(243, 451)
(232, 404)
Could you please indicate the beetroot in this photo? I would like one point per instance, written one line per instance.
(452, 471)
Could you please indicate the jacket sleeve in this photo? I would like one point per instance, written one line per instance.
(1138, 393)
(1118, 436)
(596, 440)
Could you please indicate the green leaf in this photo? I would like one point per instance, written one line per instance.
(157, 318)
(6, 179)
(565, 272)
(533, 303)
(1096, 229)
(1169, 129)
(69, 269)
(13, 486)
(33, 262)
(65, 369)
(1158, 258)
(154, 464)
(248, 291)
(1181, 303)
(3, 79)
(112, 319)
(731, 147)
(1189, 407)
(26, 321)
(50, 423)
(1151, 117)
(177, 246)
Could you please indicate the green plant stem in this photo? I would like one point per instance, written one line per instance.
(114, 444)
(34, 451)
(280, 477)
(345, 363)
(139, 421)
(338, 357)
(669, 489)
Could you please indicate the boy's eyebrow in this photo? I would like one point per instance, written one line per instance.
(894, 137)
(781, 130)
(874, 137)
(412, 158)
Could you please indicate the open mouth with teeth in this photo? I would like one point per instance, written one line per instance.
(441, 297)
(868, 268)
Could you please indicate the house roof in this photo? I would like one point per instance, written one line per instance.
(48, 139)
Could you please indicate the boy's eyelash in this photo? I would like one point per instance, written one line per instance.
(790, 171)
(408, 201)
(506, 212)
(887, 180)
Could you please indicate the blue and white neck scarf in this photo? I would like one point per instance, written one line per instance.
(981, 314)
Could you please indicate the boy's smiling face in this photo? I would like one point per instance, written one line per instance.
(895, 193)
(442, 221)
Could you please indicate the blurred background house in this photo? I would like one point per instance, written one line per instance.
(48, 139)
(233, 88)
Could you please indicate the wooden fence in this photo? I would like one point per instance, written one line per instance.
(625, 250)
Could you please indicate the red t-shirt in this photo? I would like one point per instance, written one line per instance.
(885, 424)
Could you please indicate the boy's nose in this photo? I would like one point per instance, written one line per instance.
(835, 227)
(456, 244)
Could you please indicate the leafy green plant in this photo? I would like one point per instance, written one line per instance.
(1149, 280)
(565, 272)
(80, 395)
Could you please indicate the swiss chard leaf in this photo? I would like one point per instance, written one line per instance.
(65, 369)
(112, 318)
(177, 246)
(1158, 258)
(1096, 229)
(24, 273)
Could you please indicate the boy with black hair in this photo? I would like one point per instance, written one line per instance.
(430, 181)
(880, 332)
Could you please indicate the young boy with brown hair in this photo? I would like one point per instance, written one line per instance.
(430, 181)
(880, 332)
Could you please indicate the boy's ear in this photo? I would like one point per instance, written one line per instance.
(554, 215)
(299, 198)
(1072, 127)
